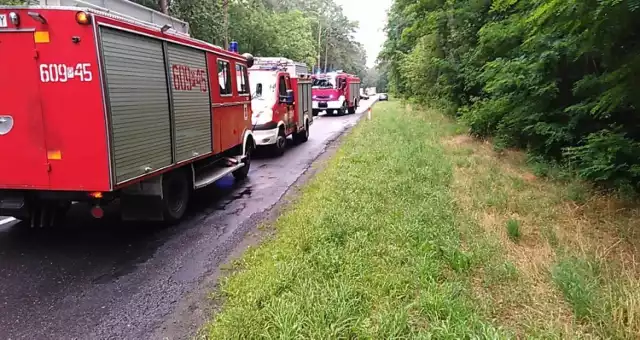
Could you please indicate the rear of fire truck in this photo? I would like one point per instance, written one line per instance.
(52, 130)
(86, 112)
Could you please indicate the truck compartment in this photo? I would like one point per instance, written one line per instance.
(156, 120)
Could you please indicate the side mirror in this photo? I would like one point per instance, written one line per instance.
(288, 98)
(250, 59)
(259, 89)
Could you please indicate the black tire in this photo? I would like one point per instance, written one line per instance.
(243, 172)
(315, 112)
(343, 109)
(352, 109)
(176, 193)
(281, 143)
(302, 136)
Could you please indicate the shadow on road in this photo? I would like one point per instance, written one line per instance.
(84, 245)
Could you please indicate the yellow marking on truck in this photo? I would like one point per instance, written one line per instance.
(41, 37)
(54, 155)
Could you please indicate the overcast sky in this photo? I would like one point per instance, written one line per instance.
(372, 16)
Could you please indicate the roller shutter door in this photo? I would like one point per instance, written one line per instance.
(191, 101)
(138, 103)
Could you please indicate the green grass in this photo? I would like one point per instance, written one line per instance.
(414, 231)
(371, 249)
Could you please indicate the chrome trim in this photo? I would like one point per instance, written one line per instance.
(230, 104)
(13, 30)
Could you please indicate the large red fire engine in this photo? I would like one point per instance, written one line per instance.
(281, 102)
(98, 105)
(335, 91)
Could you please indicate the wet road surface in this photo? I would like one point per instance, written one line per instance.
(105, 279)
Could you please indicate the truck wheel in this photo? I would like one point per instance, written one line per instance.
(302, 136)
(243, 172)
(343, 109)
(176, 192)
(315, 112)
(352, 109)
(281, 143)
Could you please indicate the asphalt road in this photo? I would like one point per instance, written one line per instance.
(104, 279)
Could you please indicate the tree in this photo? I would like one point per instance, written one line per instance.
(287, 28)
(558, 78)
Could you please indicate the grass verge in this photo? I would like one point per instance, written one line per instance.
(416, 231)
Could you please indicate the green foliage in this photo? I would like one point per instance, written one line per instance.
(270, 28)
(513, 230)
(558, 77)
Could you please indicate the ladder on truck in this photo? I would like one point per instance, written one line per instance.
(294, 68)
(123, 8)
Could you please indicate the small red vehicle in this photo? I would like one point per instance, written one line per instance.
(281, 102)
(98, 106)
(335, 92)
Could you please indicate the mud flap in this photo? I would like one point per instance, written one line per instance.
(142, 201)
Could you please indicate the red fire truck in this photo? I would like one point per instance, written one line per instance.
(281, 102)
(98, 106)
(335, 91)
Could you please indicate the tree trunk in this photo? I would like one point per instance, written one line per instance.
(225, 3)
(164, 6)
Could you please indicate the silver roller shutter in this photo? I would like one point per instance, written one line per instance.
(300, 102)
(138, 103)
(191, 101)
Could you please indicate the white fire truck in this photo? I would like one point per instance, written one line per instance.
(281, 102)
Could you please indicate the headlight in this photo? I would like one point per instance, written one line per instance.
(262, 117)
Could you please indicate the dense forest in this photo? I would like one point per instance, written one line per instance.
(559, 78)
(287, 28)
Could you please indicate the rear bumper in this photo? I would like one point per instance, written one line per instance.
(19, 203)
(13, 204)
(326, 105)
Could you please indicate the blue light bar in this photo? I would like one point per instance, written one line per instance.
(233, 46)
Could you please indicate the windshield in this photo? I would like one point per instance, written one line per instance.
(267, 82)
(325, 82)
(322, 83)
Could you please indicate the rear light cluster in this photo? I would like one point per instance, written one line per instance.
(82, 17)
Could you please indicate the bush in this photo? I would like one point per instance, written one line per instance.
(557, 78)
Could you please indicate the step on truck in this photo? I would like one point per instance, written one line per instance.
(102, 104)
(335, 92)
(281, 102)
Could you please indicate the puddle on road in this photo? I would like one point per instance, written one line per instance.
(246, 192)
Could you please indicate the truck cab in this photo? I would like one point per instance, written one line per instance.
(335, 92)
(280, 101)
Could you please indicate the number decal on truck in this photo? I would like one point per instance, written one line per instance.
(186, 79)
(61, 73)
